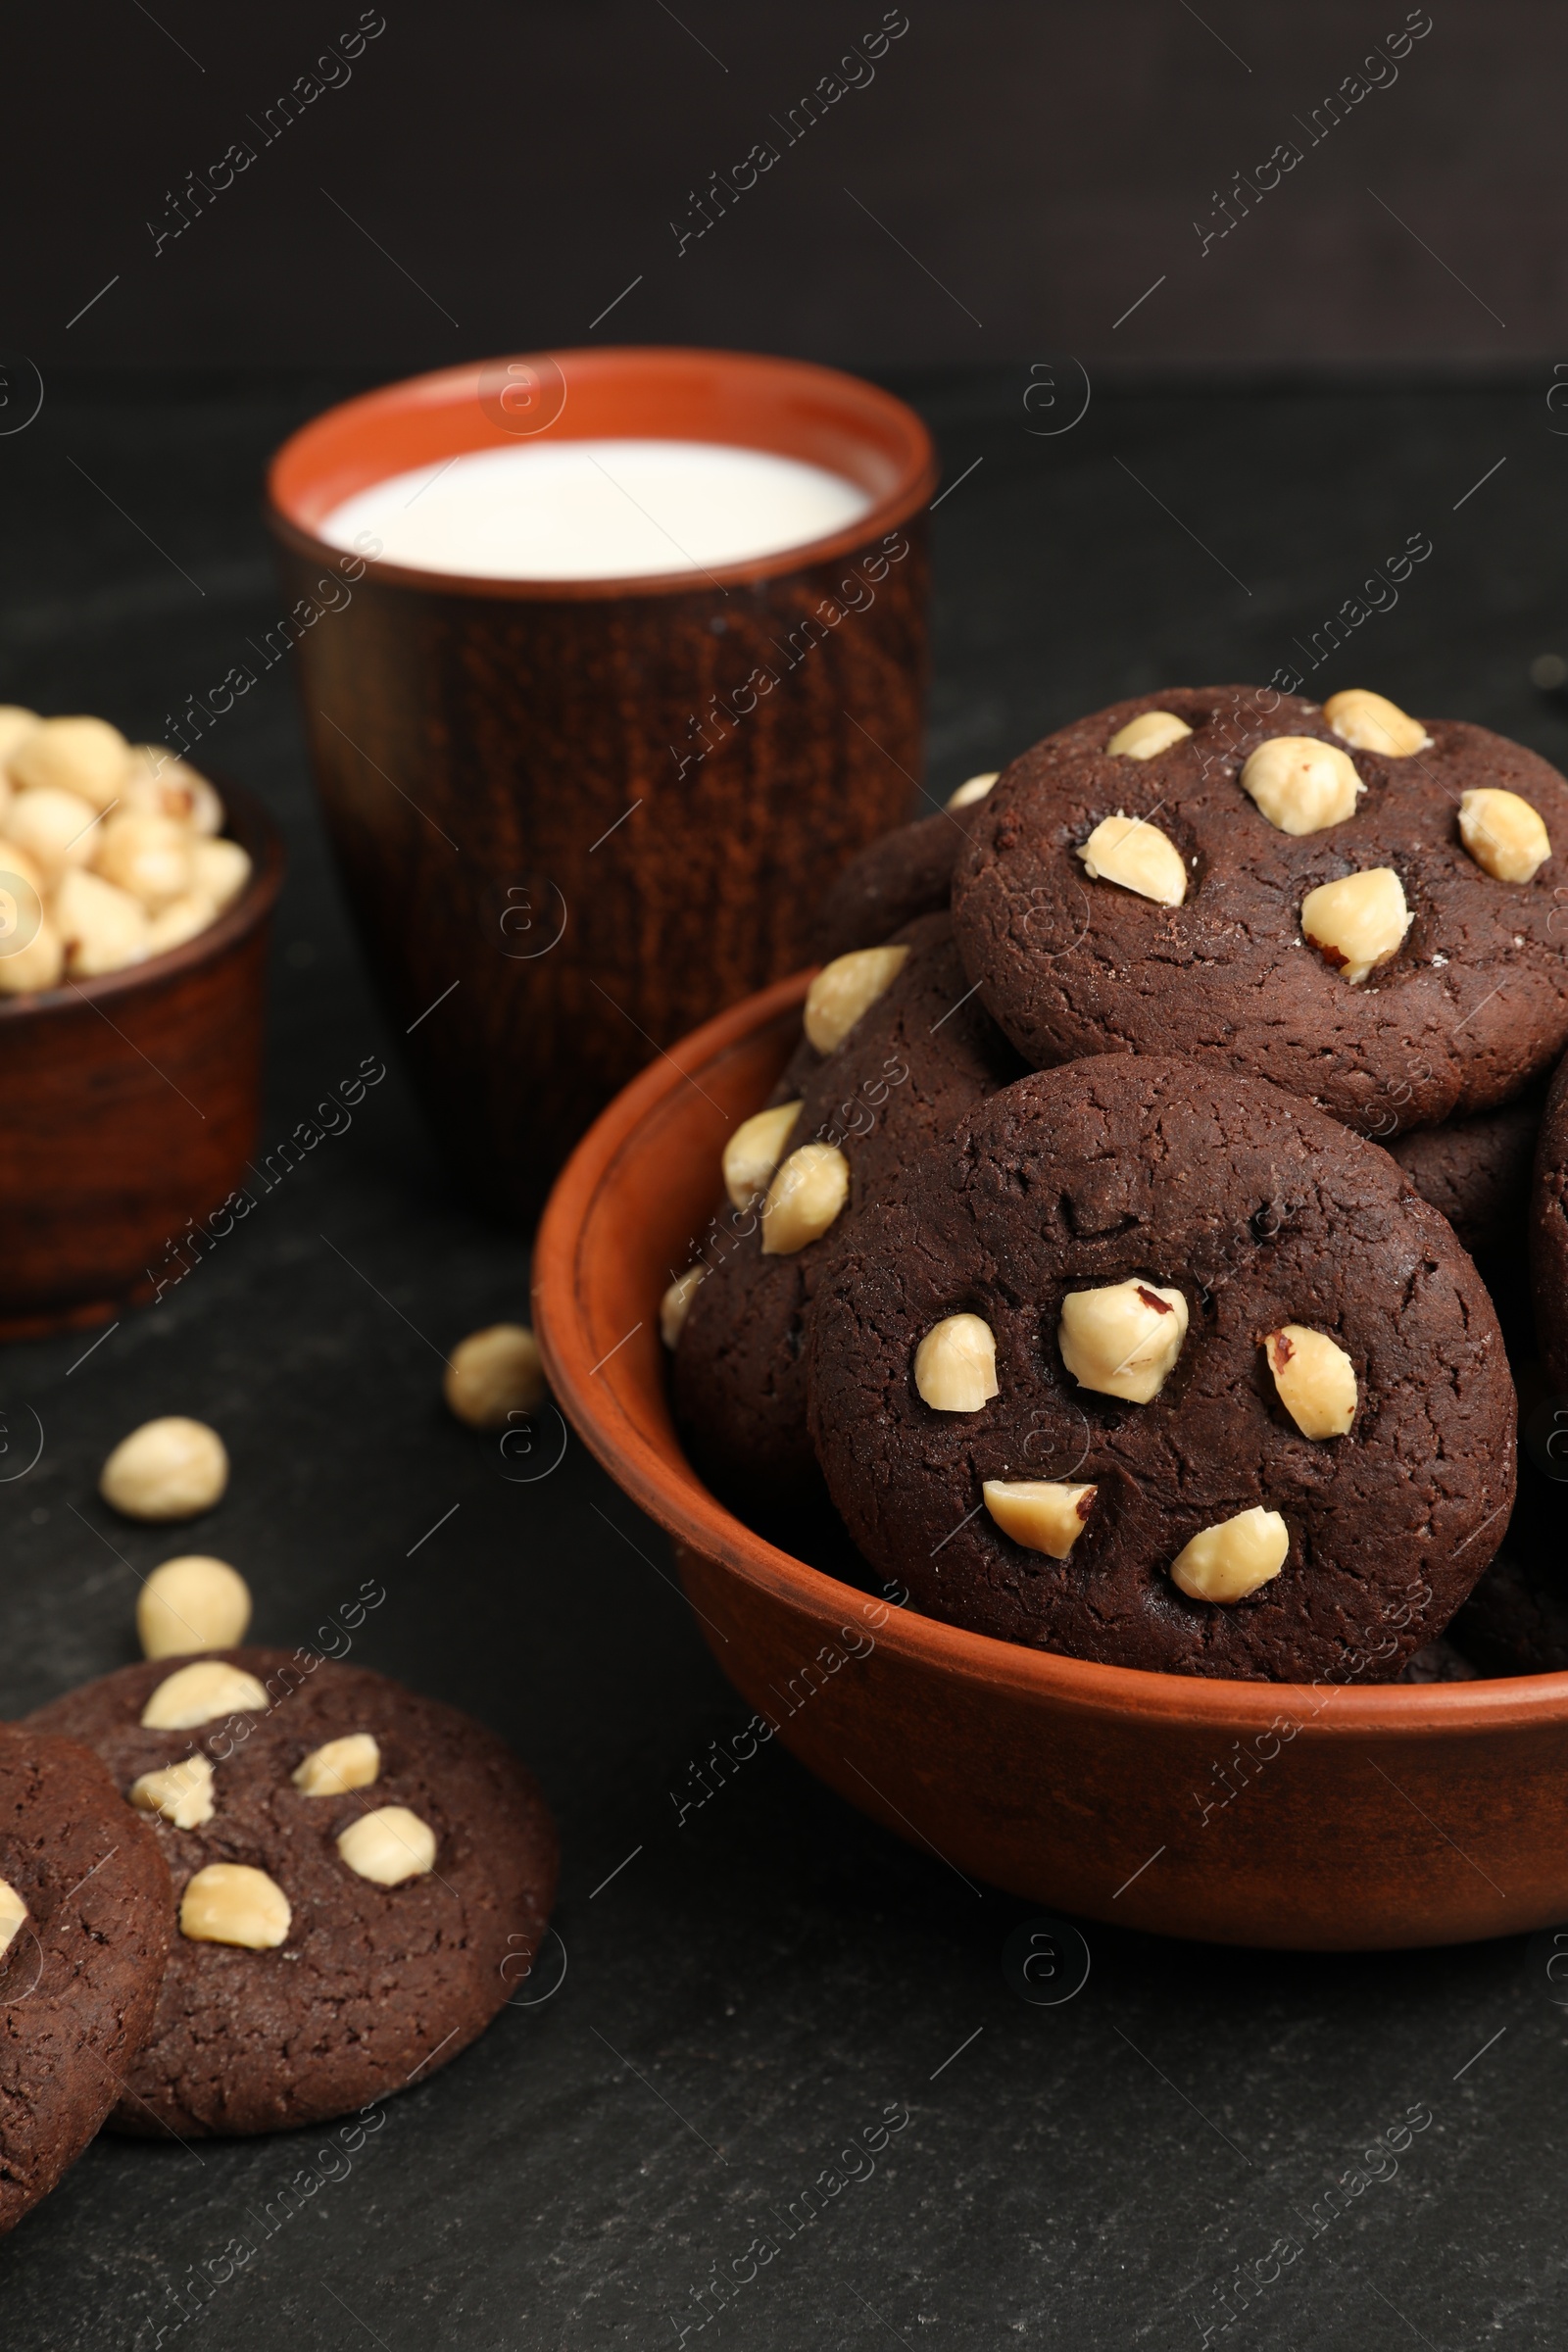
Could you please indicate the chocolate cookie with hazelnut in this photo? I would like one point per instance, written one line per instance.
(84, 1931)
(896, 1048)
(1159, 1366)
(1354, 904)
(361, 1877)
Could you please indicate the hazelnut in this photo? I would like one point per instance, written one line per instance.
(1038, 1514)
(803, 1199)
(12, 1910)
(1315, 1379)
(1232, 1558)
(182, 919)
(192, 1602)
(1137, 856)
(955, 1364)
(1503, 834)
(228, 1903)
(754, 1151)
(974, 789)
(180, 1794)
(220, 870)
(1122, 1340)
(201, 1693)
(1146, 735)
(675, 1304)
(148, 856)
(1301, 784)
(388, 1845)
(159, 783)
(15, 725)
(38, 965)
(352, 1762)
(84, 755)
(493, 1374)
(167, 1469)
(103, 929)
(1372, 723)
(1357, 923)
(56, 829)
(844, 989)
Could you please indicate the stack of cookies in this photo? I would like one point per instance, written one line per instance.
(1109, 1250)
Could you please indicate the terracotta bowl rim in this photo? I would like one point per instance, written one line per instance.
(670, 1492)
(264, 842)
(917, 480)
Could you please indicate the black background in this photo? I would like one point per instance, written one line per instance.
(754, 1987)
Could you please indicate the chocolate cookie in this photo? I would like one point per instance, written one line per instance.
(84, 1926)
(1477, 1172)
(361, 1877)
(1352, 924)
(1156, 1365)
(1549, 1233)
(919, 1056)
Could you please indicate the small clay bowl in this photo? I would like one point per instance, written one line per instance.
(130, 1106)
(1346, 1817)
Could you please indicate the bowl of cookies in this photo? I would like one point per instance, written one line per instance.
(1071, 1337)
(134, 909)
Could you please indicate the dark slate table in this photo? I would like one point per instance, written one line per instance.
(736, 2003)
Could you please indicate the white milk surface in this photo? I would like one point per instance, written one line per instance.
(596, 509)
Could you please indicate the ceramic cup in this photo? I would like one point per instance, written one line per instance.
(575, 818)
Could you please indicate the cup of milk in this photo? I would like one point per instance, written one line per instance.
(610, 661)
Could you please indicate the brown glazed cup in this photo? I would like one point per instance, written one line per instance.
(1331, 1817)
(132, 1104)
(574, 819)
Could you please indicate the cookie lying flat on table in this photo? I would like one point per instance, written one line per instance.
(1477, 1172)
(1155, 1365)
(901, 1075)
(353, 1868)
(1369, 928)
(84, 1927)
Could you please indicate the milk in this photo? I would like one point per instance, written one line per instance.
(596, 509)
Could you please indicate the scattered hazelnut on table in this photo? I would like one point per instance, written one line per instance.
(13, 1911)
(1301, 784)
(167, 1469)
(1370, 722)
(845, 989)
(229, 1902)
(1504, 835)
(1124, 1339)
(388, 1845)
(180, 1794)
(1039, 1513)
(494, 1373)
(1357, 923)
(803, 1199)
(753, 1150)
(332, 1769)
(201, 1693)
(193, 1603)
(1148, 735)
(676, 1305)
(973, 789)
(1234, 1557)
(1137, 856)
(955, 1364)
(1314, 1377)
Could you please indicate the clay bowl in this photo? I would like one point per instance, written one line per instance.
(130, 1107)
(1329, 1818)
(575, 818)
